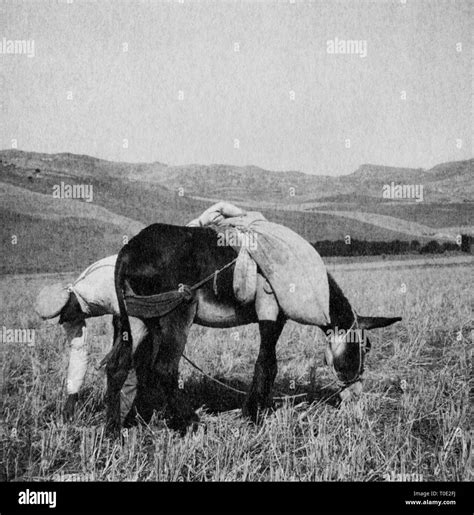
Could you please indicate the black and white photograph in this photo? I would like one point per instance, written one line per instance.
(237, 256)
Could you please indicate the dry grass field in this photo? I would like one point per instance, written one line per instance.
(411, 421)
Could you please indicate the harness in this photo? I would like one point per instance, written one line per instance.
(161, 304)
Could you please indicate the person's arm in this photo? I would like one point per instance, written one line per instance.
(216, 213)
(76, 335)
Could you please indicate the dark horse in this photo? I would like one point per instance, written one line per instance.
(160, 259)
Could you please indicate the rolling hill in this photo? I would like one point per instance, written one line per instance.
(446, 182)
(65, 233)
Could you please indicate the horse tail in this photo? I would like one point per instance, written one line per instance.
(119, 359)
(125, 333)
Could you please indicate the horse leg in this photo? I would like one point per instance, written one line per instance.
(144, 402)
(118, 367)
(259, 396)
(121, 375)
(169, 342)
(130, 389)
(271, 324)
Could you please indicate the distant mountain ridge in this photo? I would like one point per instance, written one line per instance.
(445, 182)
(372, 171)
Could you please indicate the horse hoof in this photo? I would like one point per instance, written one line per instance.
(250, 411)
(182, 424)
(256, 409)
(70, 406)
(352, 392)
(255, 415)
(113, 429)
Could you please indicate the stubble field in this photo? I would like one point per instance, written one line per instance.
(410, 423)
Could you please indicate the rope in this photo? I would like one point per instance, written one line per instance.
(236, 390)
(212, 275)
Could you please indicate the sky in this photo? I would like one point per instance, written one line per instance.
(240, 83)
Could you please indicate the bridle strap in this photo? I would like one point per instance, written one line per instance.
(345, 384)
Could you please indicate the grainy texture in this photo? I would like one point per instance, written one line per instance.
(411, 418)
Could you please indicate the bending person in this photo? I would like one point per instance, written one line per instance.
(91, 295)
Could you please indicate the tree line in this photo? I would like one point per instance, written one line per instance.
(352, 247)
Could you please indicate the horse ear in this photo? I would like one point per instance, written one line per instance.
(376, 322)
